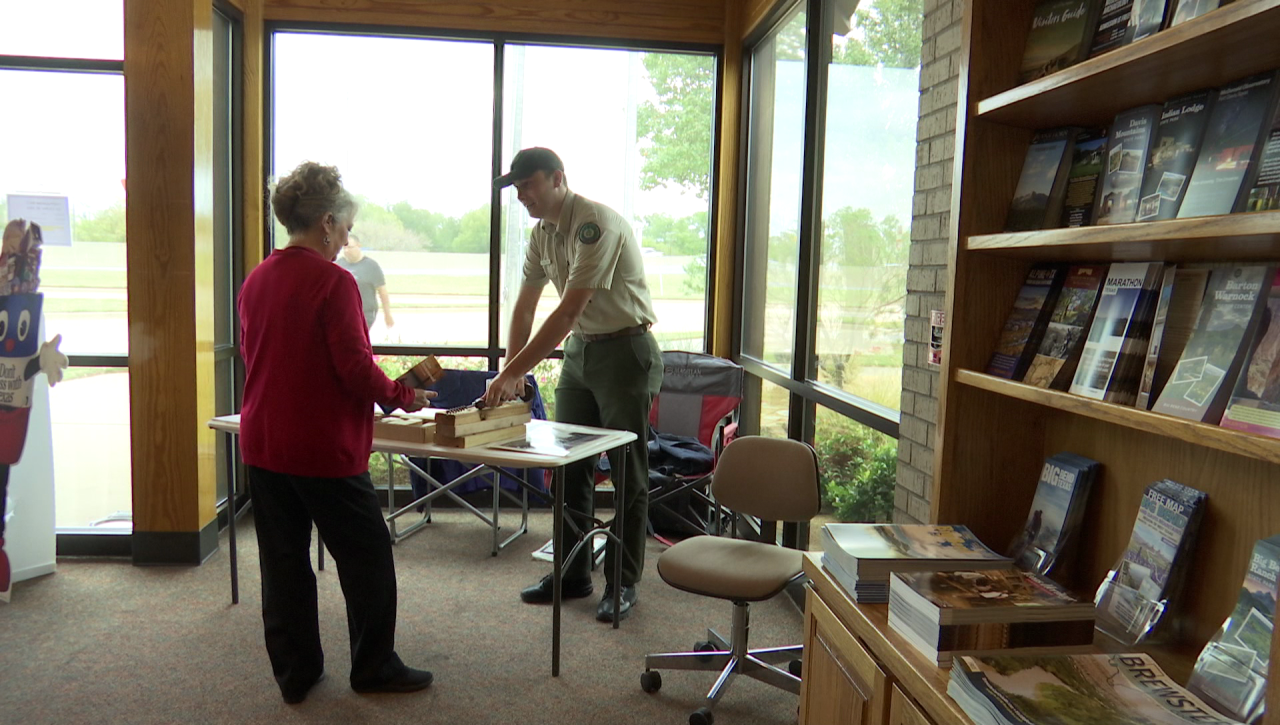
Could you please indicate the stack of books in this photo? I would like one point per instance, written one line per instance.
(1125, 688)
(862, 556)
(943, 614)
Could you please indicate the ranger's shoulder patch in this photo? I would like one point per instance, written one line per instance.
(589, 233)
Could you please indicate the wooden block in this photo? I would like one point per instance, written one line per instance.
(404, 428)
(426, 372)
(476, 415)
(452, 429)
(479, 439)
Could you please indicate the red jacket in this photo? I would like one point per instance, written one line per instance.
(310, 379)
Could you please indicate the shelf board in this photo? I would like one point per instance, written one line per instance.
(1233, 237)
(1200, 434)
(1221, 46)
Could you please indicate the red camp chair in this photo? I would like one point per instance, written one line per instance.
(699, 398)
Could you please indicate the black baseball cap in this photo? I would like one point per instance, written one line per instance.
(528, 162)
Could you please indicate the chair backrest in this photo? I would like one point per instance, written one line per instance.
(698, 391)
(775, 479)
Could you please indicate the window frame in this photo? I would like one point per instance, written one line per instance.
(806, 392)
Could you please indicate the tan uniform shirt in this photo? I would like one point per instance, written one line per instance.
(592, 247)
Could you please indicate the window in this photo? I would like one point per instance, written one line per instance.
(92, 468)
(65, 151)
(69, 153)
(414, 144)
(226, 235)
(418, 146)
(622, 154)
(868, 184)
(774, 166)
(830, 171)
(63, 29)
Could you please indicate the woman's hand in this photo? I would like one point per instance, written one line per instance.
(421, 399)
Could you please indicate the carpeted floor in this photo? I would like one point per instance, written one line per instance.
(107, 642)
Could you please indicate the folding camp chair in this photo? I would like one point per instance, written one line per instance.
(699, 398)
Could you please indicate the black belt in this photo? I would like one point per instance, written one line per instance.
(624, 332)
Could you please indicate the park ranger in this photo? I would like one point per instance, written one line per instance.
(612, 365)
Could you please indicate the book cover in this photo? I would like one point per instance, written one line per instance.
(1231, 671)
(1189, 9)
(1059, 37)
(951, 596)
(1255, 402)
(1113, 26)
(1042, 185)
(1055, 512)
(1233, 135)
(1175, 319)
(1146, 19)
(1055, 361)
(1120, 330)
(1082, 177)
(1264, 177)
(1128, 144)
(1201, 382)
(1173, 154)
(1026, 323)
(1153, 564)
(853, 542)
(1123, 689)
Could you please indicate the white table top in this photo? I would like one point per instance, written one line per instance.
(537, 432)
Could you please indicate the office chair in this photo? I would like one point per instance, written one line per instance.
(775, 479)
(699, 397)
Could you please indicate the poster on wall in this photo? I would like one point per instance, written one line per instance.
(936, 320)
(22, 358)
(52, 213)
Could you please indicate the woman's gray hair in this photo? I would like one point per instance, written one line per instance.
(310, 191)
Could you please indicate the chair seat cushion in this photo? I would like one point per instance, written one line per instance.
(743, 571)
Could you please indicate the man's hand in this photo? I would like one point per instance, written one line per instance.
(502, 388)
(386, 317)
(421, 399)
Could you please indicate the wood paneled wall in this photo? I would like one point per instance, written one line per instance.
(169, 133)
(253, 203)
(689, 21)
(729, 116)
(755, 13)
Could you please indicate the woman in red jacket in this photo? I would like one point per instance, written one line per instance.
(306, 434)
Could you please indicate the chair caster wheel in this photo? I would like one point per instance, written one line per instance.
(703, 645)
(650, 681)
(795, 667)
(701, 716)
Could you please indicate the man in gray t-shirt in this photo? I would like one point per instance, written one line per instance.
(370, 280)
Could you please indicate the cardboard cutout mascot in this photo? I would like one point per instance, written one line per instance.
(21, 358)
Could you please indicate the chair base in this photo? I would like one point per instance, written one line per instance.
(732, 658)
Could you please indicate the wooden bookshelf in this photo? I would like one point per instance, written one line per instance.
(993, 434)
(1200, 434)
(1229, 43)
(1231, 238)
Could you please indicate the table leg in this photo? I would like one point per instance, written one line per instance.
(231, 518)
(557, 566)
(619, 508)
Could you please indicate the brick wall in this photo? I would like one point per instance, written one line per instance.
(927, 275)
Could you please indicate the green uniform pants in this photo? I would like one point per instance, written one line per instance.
(611, 384)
